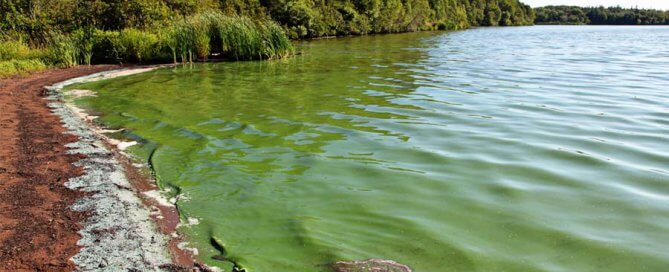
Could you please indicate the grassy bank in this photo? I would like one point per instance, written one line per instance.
(65, 33)
(16, 58)
(193, 38)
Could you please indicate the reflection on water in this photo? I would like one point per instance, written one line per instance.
(501, 149)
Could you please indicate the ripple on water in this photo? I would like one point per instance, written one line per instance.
(493, 149)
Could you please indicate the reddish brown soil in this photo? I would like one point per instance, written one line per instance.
(38, 230)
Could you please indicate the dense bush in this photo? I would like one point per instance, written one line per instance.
(600, 16)
(107, 47)
(189, 38)
(17, 58)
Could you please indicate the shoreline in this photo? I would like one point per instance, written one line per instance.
(120, 219)
(69, 198)
(148, 239)
(38, 229)
(164, 214)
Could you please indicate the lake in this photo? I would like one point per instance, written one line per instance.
(494, 149)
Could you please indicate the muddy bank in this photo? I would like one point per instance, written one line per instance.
(68, 201)
(38, 229)
(120, 233)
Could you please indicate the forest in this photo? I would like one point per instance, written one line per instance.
(36, 34)
(600, 16)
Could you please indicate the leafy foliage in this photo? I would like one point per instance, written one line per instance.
(300, 18)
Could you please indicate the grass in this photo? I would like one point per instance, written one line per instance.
(17, 58)
(14, 50)
(9, 68)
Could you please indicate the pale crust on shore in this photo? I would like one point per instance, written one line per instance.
(136, 241)
(38, 229)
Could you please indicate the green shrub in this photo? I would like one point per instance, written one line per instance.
(7, 68)
(137, 45)
(29, 65)
(107, 47)
(13, 50)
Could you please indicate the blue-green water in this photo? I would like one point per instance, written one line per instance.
(497, 149)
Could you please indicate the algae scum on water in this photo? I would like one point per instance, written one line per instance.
(480, 150)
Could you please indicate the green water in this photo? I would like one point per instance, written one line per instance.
(502, 149)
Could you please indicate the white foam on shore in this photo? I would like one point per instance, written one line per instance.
(184, 246)
(124, 145)
(80, 93)
(119, 235)
(158, 197)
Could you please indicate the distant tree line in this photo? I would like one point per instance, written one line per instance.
(600, 16)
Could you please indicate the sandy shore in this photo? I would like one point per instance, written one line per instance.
(69, 200)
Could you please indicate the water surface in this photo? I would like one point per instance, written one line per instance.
(496, 149)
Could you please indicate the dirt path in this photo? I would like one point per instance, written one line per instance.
(38, 230)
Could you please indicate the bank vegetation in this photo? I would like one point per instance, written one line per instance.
(37, 34)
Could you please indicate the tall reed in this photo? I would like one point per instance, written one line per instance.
(245, 39)
(167, 39)
(84, 41)
(235, 36)
(64, 51)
